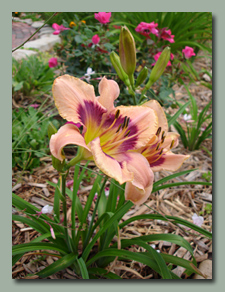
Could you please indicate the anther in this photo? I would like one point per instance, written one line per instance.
(163, 134)
(157, 148)
(163, 138)
(117, 114)
(127, 122)
(124, 122)
(119, 128)
(171, 145)
(160, 153)
(158, 131)
(127, 134)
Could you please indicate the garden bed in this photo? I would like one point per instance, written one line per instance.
(179, 201)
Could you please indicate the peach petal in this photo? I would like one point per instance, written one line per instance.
(162, 120)
(109, 91)
(169, 161)
(145, 119)
(109, 165)
(67, 134)
(171, 136)
(139, 189)
(70, 94)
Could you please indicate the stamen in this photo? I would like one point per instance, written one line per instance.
(118, 128)
(158, 131)
(172, 143)
(127, 122)
(117, 114)
(124, 122)
(157, 147)
(162, 140)
(127, 134)
(163, 133)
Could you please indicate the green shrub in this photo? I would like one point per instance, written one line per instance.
(31, 74)
(29, 137)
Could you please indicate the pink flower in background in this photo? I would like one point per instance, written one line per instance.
(51, 230)
(35, 105)
(145, 28)
(166, 35)
(197, 220)
(188, 52)
(103, 17)
(45, 210)
(53, 62)
(95, 39)
(157, 56)
(58, 28)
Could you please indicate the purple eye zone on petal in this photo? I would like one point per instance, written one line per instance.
(158, 162)
(90, 111)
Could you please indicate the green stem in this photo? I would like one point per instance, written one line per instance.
(75, 160)
(148, 85)
(54, 14)
(94, 213)
(63, 190)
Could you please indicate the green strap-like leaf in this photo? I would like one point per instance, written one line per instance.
(176, 115)
(103, 272)
(181, 184)
(57, 266)
(128, 255)
(165, 179)
(16, 258)
(26, 247)
(167, 218)
(107, 225)
(83, 268)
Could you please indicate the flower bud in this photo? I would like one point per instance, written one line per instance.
(115, 60)
(142, 76)
(127, 51)
(159, 67)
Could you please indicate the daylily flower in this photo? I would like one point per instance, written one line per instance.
(158, 150)
(52, 62)
(110, 135)
(197, 220)
(166, 35)
(157, 56)
(95, 39)
(58, 28)
(188, 52)
(103, 17)
(145, 28)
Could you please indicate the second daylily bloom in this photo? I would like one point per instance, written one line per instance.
(110, 135)
(158, 150)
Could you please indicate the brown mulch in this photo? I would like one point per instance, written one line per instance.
(180, 201)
